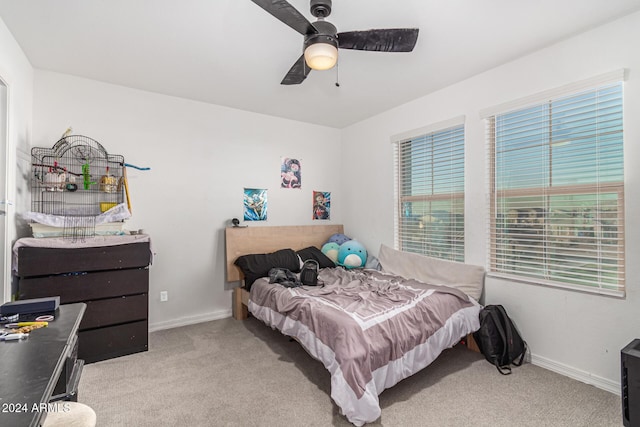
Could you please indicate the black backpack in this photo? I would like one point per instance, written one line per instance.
(499, 340)
(309, 272)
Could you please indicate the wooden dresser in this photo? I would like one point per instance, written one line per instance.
(112, 280)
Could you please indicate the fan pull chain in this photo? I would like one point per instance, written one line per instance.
(338, 74)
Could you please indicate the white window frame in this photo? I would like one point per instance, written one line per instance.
(398, 140)
(612, 188)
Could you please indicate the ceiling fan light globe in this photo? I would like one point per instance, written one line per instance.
(321, 56)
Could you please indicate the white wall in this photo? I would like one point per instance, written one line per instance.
(201, 157)
(575, 333)
(17, 73)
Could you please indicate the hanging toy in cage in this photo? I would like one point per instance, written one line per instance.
(52, 180)
(70, 184)
(108, 183)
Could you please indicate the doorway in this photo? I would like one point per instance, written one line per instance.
(5, 249)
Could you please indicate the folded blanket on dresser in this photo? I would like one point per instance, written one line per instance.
(369, 329)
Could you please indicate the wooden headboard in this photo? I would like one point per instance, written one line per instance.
(257, 240)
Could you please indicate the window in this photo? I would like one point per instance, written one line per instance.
(557, 191)
(430, 193)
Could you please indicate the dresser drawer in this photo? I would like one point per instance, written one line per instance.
(113, 311)
(113, 341)
(35, 261)
(86, 286)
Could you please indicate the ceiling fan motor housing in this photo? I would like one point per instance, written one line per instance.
(321, 8)
(326, 34)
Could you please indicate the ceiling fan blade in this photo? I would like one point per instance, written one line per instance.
(298, 72)
(389, 40)
(282, 10)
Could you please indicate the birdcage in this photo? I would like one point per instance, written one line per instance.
(74, 182)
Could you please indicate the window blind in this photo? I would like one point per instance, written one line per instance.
(557, 192)
(430, 193)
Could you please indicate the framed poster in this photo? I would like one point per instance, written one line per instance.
(255, 204)
(321, 205)
(290, 173)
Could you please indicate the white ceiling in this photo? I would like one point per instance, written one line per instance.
(232, 53)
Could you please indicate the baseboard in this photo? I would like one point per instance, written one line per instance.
(189, 320)
(577, 374)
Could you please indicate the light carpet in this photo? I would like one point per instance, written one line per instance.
(242, 373)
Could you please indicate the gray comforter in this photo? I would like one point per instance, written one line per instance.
(370, 329)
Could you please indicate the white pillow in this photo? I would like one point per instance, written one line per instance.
(465, 277)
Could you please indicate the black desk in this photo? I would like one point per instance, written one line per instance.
(31, 368)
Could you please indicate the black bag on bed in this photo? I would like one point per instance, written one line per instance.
(309, 272)
(499, 340)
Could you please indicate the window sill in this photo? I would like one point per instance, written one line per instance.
(550, 284)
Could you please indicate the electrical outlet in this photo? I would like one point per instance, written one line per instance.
(164, 296)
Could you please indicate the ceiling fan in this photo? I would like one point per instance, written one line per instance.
(322, 40)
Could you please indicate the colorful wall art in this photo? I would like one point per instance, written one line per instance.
(290, 173)
(321, 205)
(255, 204)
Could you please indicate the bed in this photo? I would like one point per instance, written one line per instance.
(369, 328)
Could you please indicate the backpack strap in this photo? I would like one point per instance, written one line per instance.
(506, 369)
(519, 362)
(510, 337)
(509, 332)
